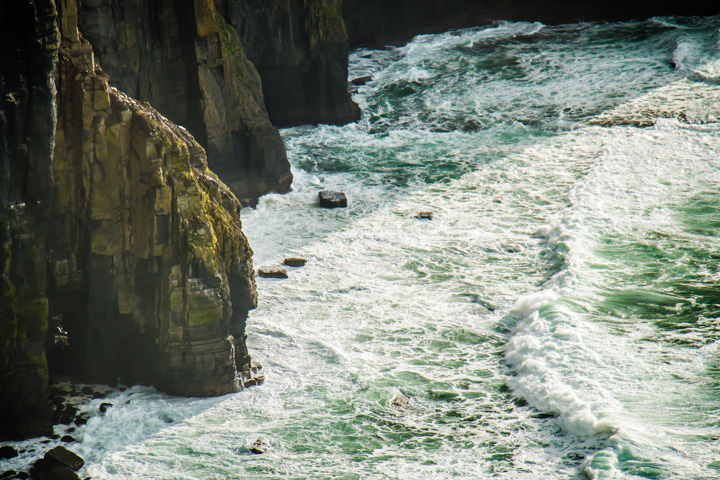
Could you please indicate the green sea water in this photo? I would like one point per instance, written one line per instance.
(558, 316)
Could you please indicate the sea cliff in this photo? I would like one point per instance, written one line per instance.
(130, 134)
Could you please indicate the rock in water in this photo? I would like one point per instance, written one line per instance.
(424, 215)
(400, 401)
(332, 199)
(259, 447)
(61, 456)
(295, 261)
(272, 271)
(360, 81)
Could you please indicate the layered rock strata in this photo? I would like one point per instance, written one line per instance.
(148, 265)
(185, 60)
(135, 249)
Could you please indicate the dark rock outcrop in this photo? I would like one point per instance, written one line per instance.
(332, 199)
(300, 49)
(188, 63)
(28, 49)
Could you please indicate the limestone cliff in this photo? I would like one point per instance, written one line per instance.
(148, 264)
(300, 49)
(28, 49)
(183, 59)
(110, 219)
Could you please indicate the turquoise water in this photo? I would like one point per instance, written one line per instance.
(558, 317)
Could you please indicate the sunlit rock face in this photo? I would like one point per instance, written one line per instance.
(184, 59)
(148, 265)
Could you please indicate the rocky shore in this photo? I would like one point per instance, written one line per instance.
(130, 135)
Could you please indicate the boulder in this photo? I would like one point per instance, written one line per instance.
(294, 262)
(272, 271)
(61, 456)
(104, 407)
(59, 473)
(360, 81)
(259, 447)
(332, 199)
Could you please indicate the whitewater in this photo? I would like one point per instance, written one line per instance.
(559, 316)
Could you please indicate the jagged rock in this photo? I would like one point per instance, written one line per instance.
(7, 452)
(424, 215)
(61, 456)
(272, 271)
(294, 262)
(400, 401)
(331, 199)
(259, 447)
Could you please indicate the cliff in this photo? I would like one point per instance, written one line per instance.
(28, 50)
(188, 63)
(136, 244)
(300, 50)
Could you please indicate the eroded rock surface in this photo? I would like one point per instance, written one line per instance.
(149, 266)
(186, 61)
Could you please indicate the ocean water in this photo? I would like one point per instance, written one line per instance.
(559, 317)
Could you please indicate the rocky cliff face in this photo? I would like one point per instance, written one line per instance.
(148, 265)
(300, 49)
(136, 244)
(186, 61)
(28, 49)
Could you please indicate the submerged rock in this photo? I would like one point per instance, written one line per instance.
(61, 456)
(424, 215)
(272, 271)
(259, 447)
(294, 261)
(332, 199)
(401, 401)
